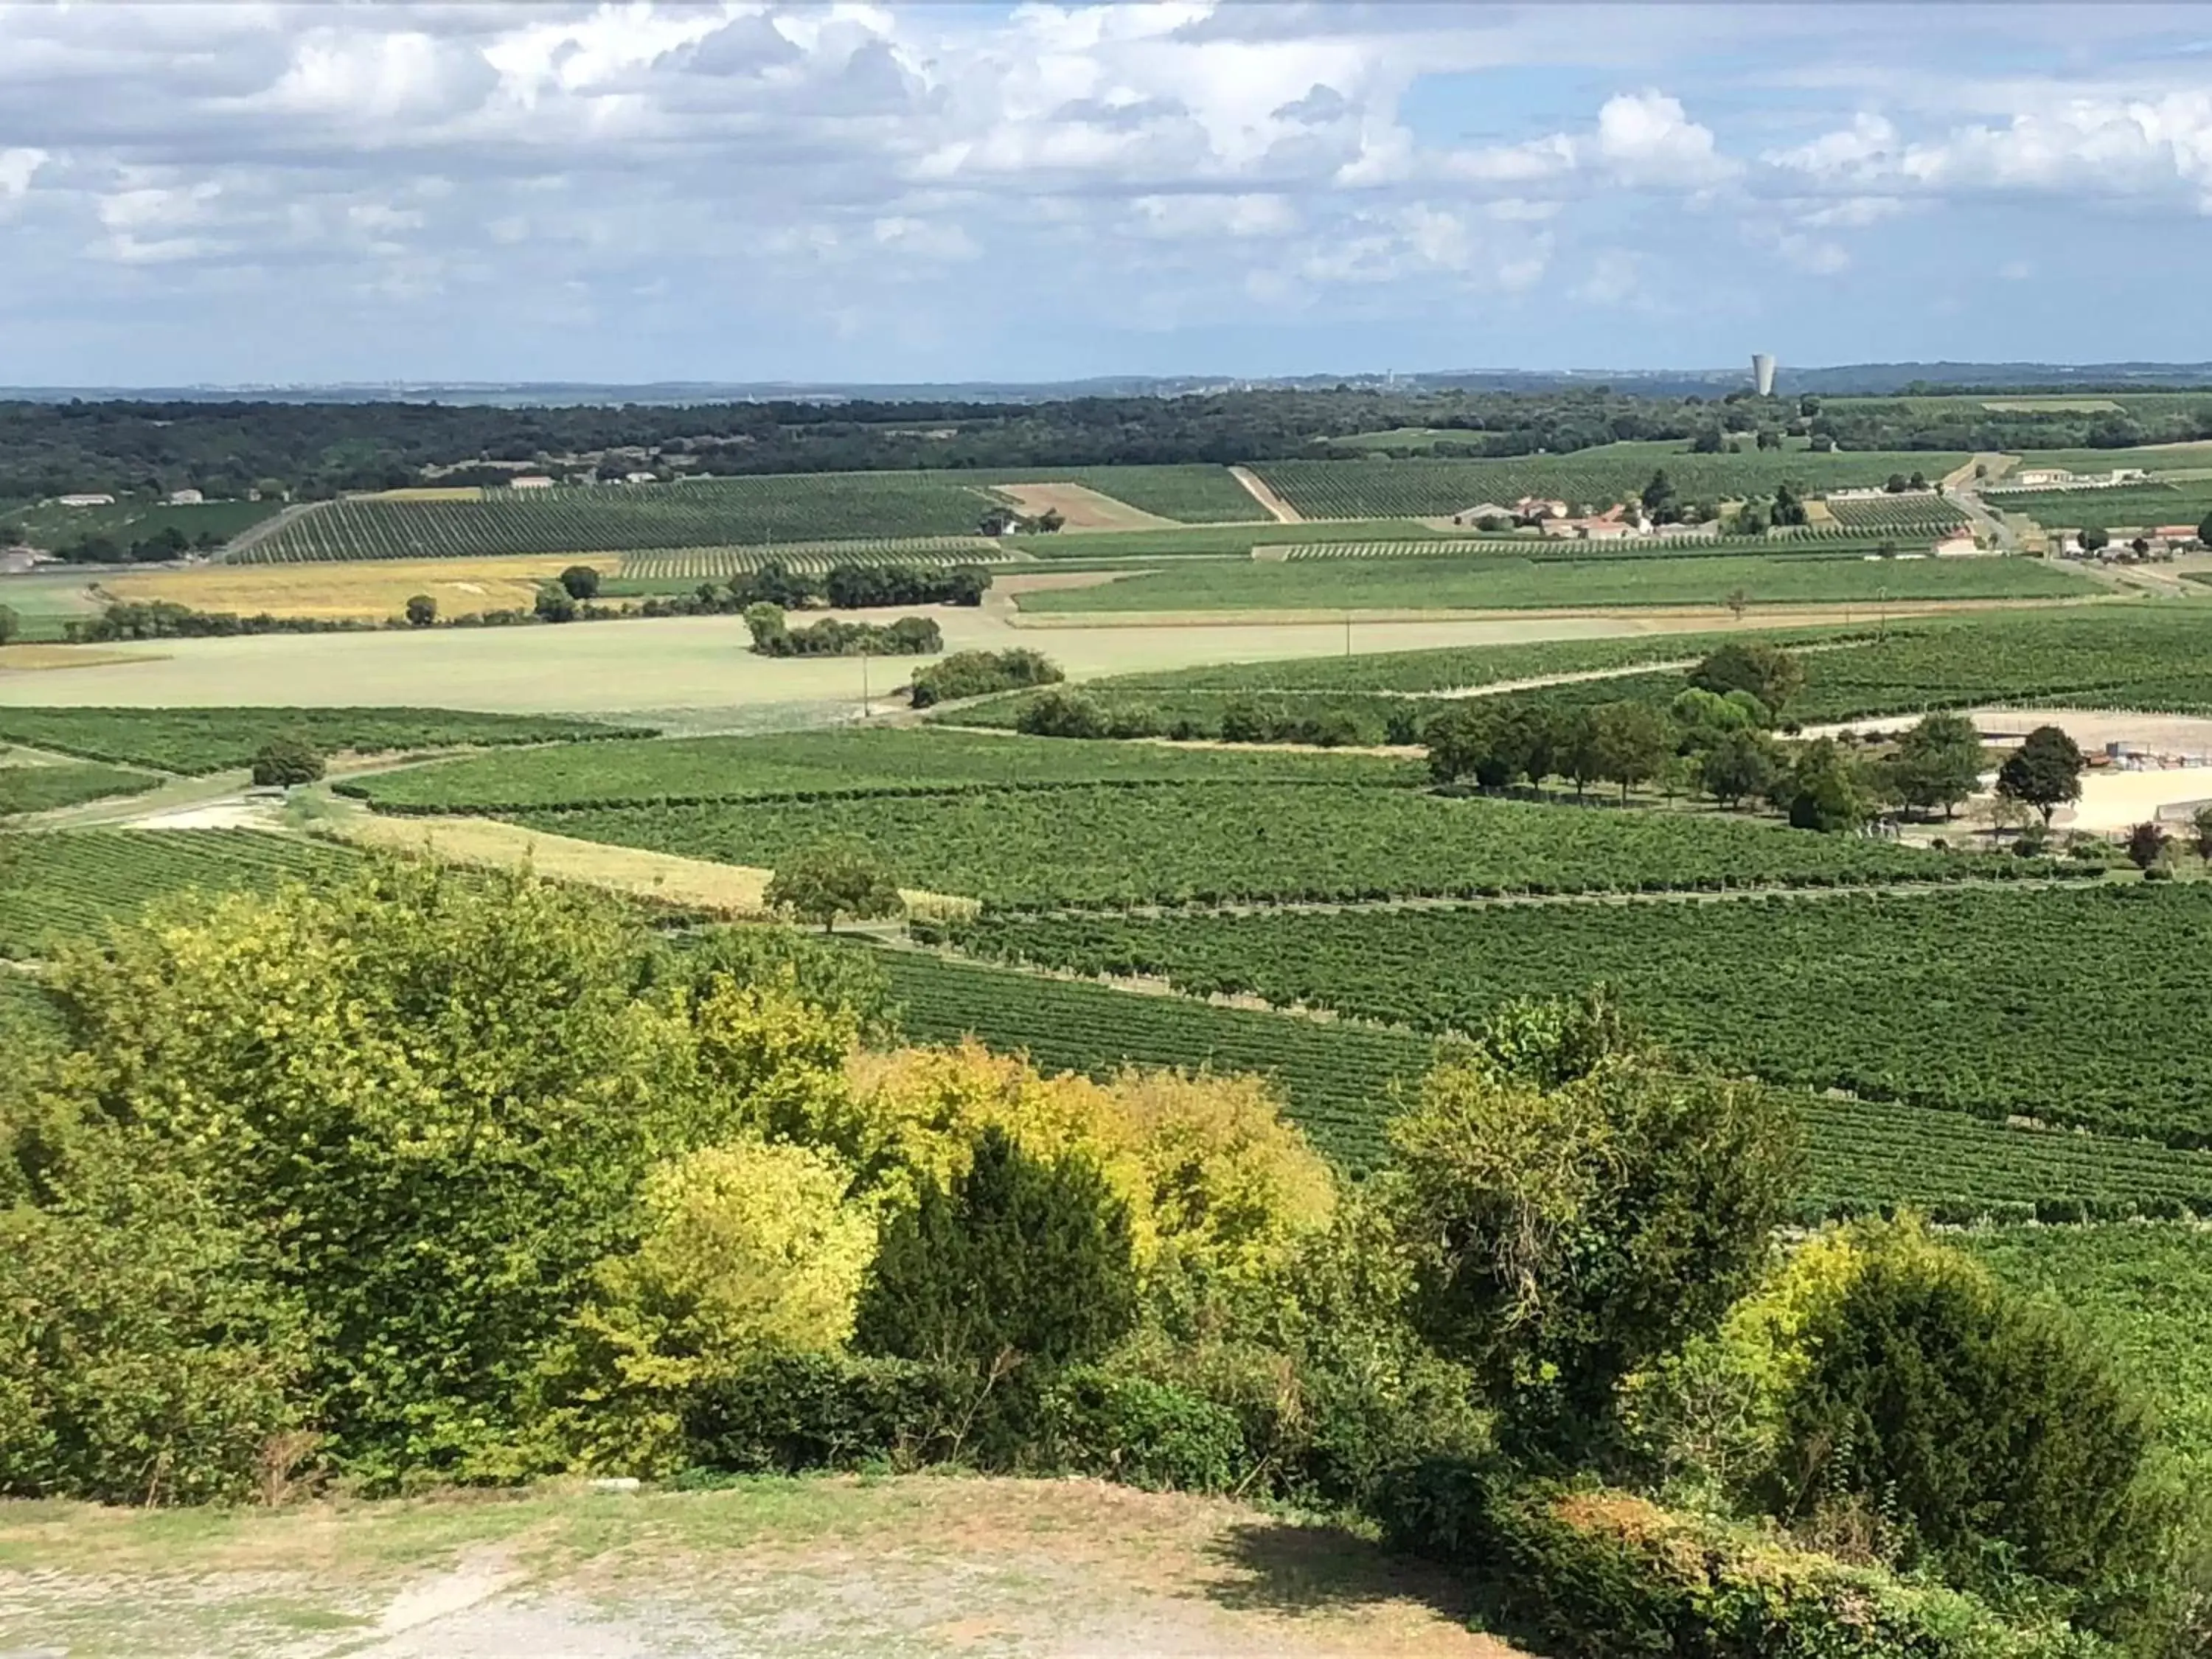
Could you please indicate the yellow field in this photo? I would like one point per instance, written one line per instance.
(371, 590)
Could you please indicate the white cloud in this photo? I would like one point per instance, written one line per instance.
(948, 242)
(1204, 217)
(1614, 278)
(1645, 139)
(1863, 147)
(17, 168)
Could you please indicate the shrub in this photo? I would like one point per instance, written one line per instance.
(421, 611)
(555, 603)
(1019, 1257)
(978, 673)
(1063, 715)
(784, 1413)
(580, 582)
(1141, 1432)
(287, 761)
(749, 1250)
(824, 883)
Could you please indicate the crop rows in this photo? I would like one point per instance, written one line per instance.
(69, 883)
(27, 1014)
(1826, 541)
(1340, 1083)
(621, 518)
(2125, 506)
(1198, 843)
(1189, 493)
(2072, 1005)
(1903, 514)
(43, 788)
(818, 764)
(200, 740)
(1429, 488)
(718, 563)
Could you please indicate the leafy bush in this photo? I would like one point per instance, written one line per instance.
(1020, 1258)
(1606, 1575)
(1141, 1432)
(1063, 714)
(580, 582)
(788, 1413)
(287, 761)
(978, 673)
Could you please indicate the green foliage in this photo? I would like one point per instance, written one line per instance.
(1579, 1211)
(1020, 1259)
(1938, 762)
(421, 611)
(287, 761)
(1977, 1425)
(580, 582)
(788, 1413)
(2044, 772)
(828, 880)
(436, 1097)
(1740, 765)
(555, 603)
(201, 740)
(11, 623)
(978, 673)
(1141, 1432)
(1823, 789)
(1765, 673)
(1603, 1574)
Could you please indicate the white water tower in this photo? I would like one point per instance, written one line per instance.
(1762, 372)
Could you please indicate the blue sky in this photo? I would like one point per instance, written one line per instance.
(246, 192)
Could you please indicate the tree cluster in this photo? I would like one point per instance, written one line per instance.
(909, 636)
(980, 674)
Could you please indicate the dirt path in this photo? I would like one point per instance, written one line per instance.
(917, 1566)
(253, 537)
(1256, 488)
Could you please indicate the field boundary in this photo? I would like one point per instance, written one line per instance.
(1258, 488)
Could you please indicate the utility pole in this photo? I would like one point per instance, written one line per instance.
(1347, 633)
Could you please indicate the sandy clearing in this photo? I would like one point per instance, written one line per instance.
(1257, 487)
(36, 658)
(368, 590)
(1082, 506)
(215, 815)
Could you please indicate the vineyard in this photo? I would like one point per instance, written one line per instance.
(694, 564)
(1342, 1081)
(1900, 515)
(2147, 1292)
(1494, 583)
(1823, 541)
(43, 788)
(1190, 494)
(1221, 541)
(67, 884)
(201, 740)
(707, 512)
(811, 765)
(1973, 999)
(1366, 718)
(1197, 843)
(1591, 478)
(2130, 507)
(27, 1014)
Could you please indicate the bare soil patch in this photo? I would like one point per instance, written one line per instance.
(1257, 487)
(1082, 506)
(916, 1566)
(366, 590)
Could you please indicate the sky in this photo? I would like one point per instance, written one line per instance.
(249, 193)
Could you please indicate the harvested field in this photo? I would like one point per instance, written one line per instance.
(368, 591)
(1082, 508)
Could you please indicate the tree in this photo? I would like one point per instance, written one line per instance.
(1939, 763)
(1896, 485)
(287, 761)
(1737, 601)
(1740, 765)
(2200, 832)
(1633, 740)
(2147, 845)
(1019, 1257)
(580, 582)
(764, 621)
(1577, 1209)
(2093, 538)
(2044, 772)
(1707, 442)
(1657, 495)
(1788, 505)
(10, 623)
(1766, 672)
(1580, 756)
(421, 611)
(555, 604)
(824, 883)
(1823, 791)
(2204, 530)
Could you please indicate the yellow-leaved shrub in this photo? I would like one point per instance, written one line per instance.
(1211, 1170)
(749, 1249)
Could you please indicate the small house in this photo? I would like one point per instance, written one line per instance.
(185, 498)
(1482, 510)
(86, 501)
(640, 477)
(2041, 477)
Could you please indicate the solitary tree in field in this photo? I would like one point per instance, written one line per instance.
(580, 582)
(1737, 600)
(2147, 844)
(2093, 537)
(284, 762)
(824, 883)
(421, 611)
(2044, 772)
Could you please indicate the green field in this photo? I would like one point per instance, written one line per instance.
(200, 740)
(2132, 506)
(66, 884)
(1510, 584)
(1189, 493)
(50, 525)
(1342, 1081)
(42, 788)
(879, 760)
(1220, 541)
(1820, 541)
(1986, 1000)
(2147, 1292)
(45, 602)
(1899, 515)
(681, 569)
(1428, 488)
(1199, 843)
